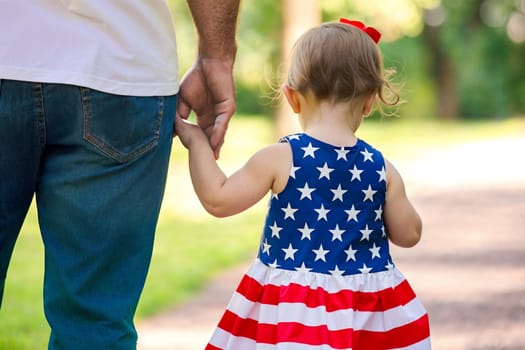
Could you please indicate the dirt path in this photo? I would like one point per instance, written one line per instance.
(469, 268)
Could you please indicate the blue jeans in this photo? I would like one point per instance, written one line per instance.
(97, 164)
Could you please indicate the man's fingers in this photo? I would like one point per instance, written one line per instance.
(220, 128)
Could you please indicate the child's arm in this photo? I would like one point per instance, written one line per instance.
(402, 221)
(222, 195)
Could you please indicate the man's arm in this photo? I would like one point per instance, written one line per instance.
(216, 23)
(208, 87)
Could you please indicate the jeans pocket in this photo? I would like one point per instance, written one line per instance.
(121, 127)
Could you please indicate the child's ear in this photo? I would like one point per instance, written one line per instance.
(368, 104)
(292, 97)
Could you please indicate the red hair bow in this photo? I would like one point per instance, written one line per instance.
(371, 31)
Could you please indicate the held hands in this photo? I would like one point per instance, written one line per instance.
(189, 133)
(208, 89)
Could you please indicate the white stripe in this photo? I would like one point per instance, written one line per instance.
(371, 282)
(335, 320)
(225, 340)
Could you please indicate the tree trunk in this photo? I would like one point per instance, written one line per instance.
(444, 74)
(298, 16)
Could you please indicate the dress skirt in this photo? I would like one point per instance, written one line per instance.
(281, 309)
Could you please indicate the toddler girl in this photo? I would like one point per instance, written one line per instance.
(323, 277)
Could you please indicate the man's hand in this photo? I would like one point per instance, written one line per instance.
(208, 89)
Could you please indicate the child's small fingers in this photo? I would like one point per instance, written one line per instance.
(177, 125)
(183, 123)
(183, 109)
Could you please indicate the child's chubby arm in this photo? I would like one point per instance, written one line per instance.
(222, 195)
(402, 221)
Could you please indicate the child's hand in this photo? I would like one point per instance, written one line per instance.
(188, 132)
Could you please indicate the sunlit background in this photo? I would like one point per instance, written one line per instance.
(458, 141)
(458, 59)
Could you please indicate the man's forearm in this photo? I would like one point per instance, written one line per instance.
(216, 23)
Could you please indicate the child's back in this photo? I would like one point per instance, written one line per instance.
(330, 212)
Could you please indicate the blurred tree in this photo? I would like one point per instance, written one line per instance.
(458, 58)
(441, 66)
(471, 37)
(260, 29)
(473, 50)
(297, 16)
(258, 50)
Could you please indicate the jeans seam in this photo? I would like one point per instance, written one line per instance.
(159, 119)
(38, 100)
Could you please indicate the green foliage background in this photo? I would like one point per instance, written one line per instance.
(488, 64)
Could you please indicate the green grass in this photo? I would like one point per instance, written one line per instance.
(22, 322)
(191, 246)
(188, 252)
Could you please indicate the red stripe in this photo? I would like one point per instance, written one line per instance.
(408, 334)
(381, 300)
(211, 347)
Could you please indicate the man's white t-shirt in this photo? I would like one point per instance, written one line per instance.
(125, 47)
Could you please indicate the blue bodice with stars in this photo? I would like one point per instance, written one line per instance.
(329, 217)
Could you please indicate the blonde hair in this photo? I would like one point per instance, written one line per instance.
(339, 62)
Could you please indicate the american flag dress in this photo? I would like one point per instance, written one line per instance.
(323, 278)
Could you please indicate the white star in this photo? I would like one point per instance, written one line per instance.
(325, 171)
(366, 233)
(337, 233)
(275, 196)
(266, 247)
(289, 252)
(369, 194)
(379, 214)
(383, 232)
(365, 269)
(322, 213)
(382, 174)
(338, 193)
(274, 264)
(375, 251)
(294, 137)
(303, 268)
(341, 153)
(356, 173)
(320, 253)
(350, 253)
(352, 213)
(305, 231)
(289, 212)
(275, 229)
(336, 271)
(306, 192)
(309, 151)
(367, 155)
(293, 170)
(389, 266)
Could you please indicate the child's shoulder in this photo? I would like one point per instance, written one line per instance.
(361, 143)
(292, 137)
(369, 151)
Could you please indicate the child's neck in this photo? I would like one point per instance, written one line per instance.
(332, 123)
